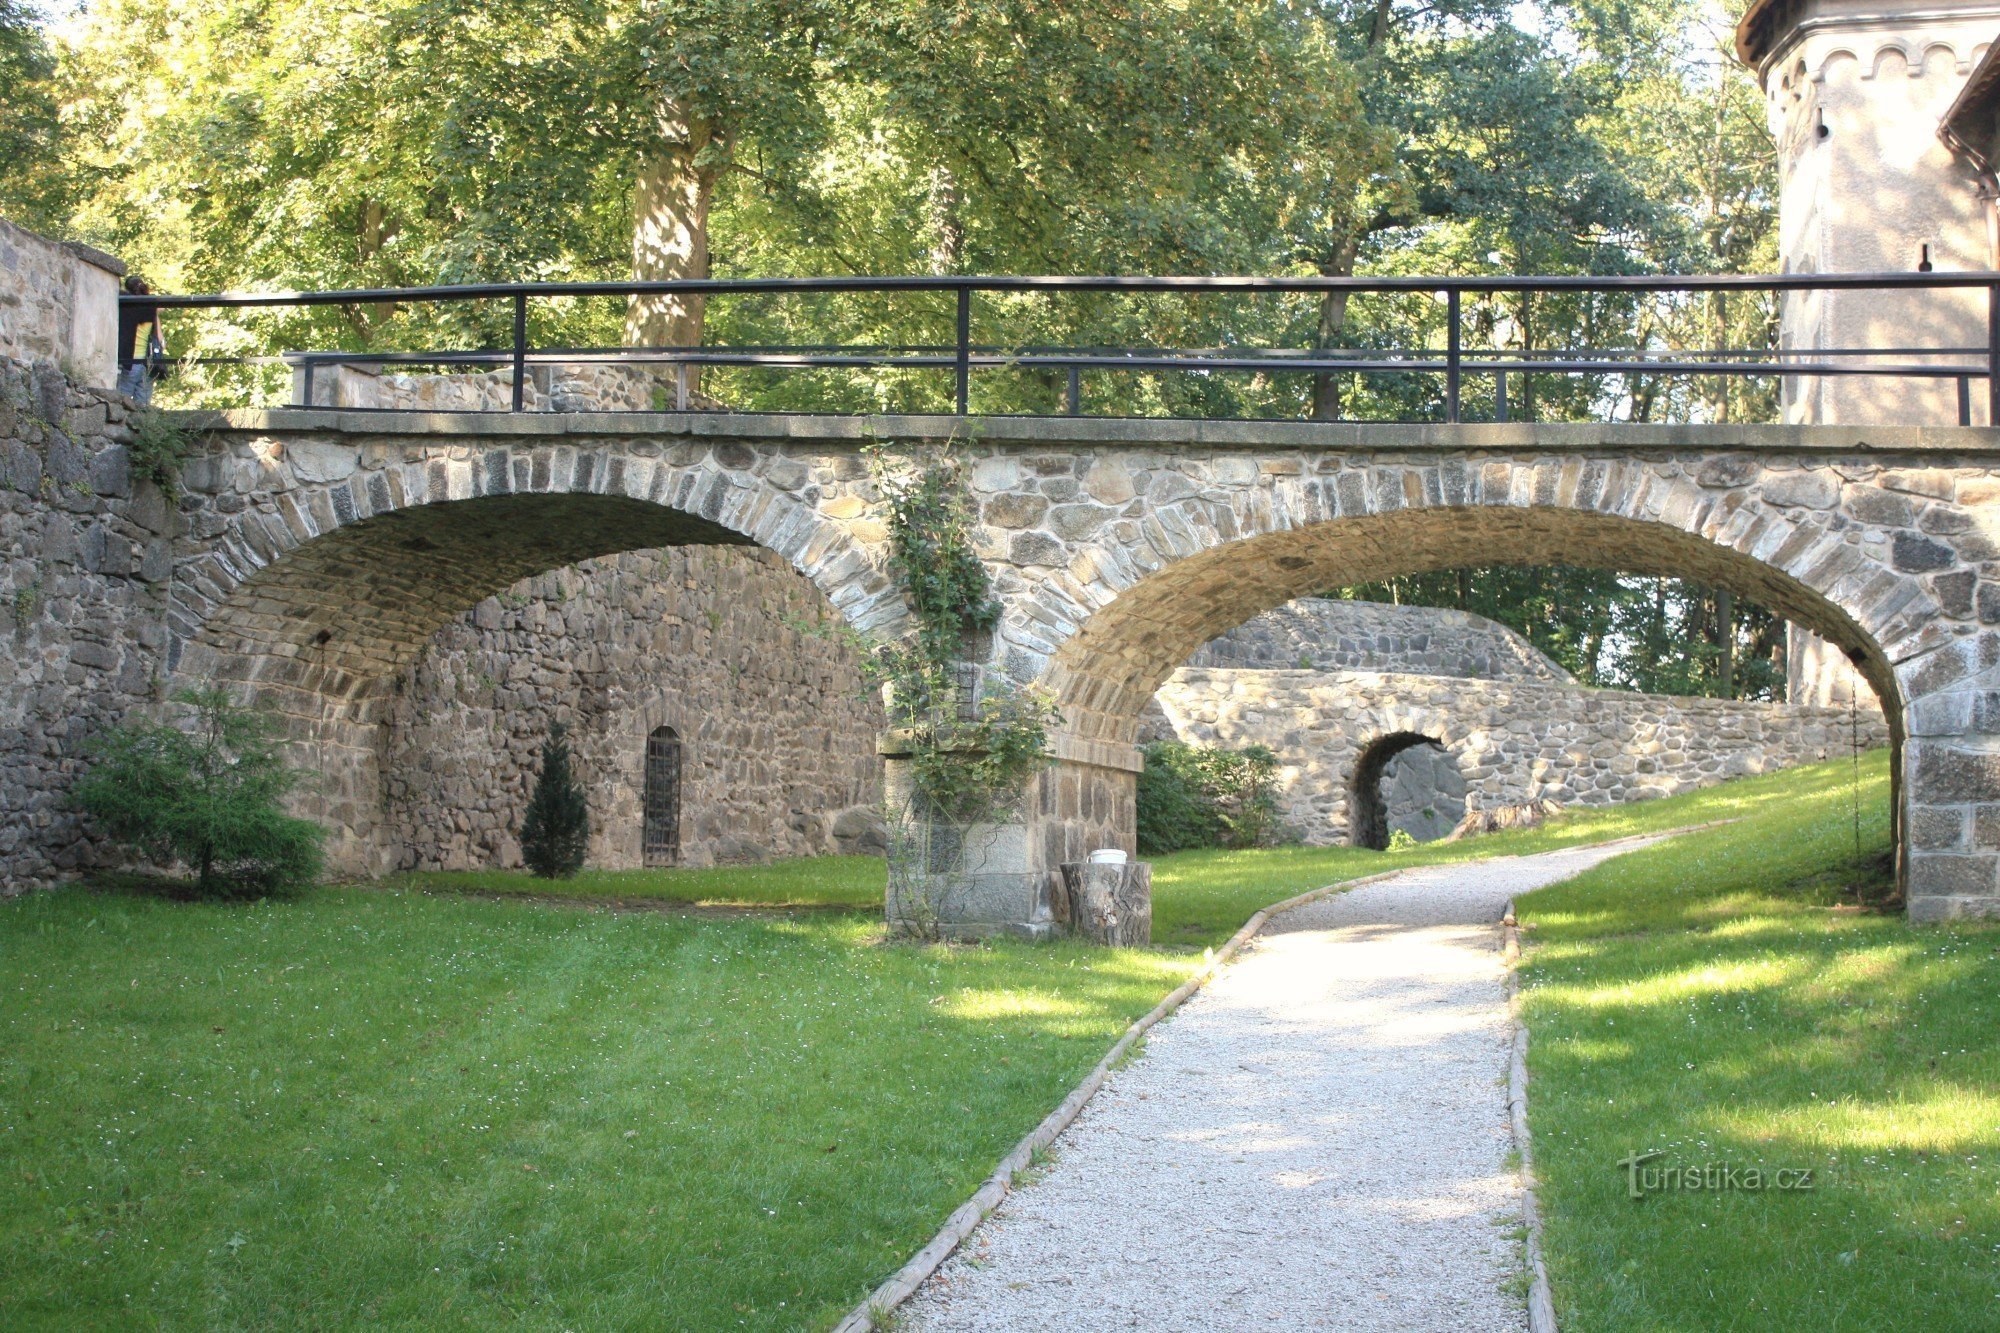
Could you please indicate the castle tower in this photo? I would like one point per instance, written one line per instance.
(1858, 91)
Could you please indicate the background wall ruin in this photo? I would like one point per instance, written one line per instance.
(726, 645)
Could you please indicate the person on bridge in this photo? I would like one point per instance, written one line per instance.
(138, 369)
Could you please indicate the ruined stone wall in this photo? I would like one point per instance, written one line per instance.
(1512, 741)
(727, 645)
(1327, 634)
(59, 306)
(85, 560)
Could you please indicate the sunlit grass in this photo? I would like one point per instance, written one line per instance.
(368, 1108)
(363, 1109)
(1721, 997)
(816, 881)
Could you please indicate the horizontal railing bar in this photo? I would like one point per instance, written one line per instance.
(613, 355)
(1759, 369)
(1060, 283)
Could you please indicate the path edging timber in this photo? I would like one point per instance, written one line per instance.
(1541, 1305)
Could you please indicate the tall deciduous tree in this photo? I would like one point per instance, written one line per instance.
(35, 188)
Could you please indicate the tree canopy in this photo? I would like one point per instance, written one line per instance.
(221, 144)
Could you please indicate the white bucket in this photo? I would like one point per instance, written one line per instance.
(1108, 856)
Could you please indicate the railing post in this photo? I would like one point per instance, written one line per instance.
(963, 353)
(1451, 355)
(1499, 395)
(1993, 354)
(1073, 395)
(520, 347)
(1965, 400)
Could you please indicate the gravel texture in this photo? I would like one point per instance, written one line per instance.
(1319, 1139)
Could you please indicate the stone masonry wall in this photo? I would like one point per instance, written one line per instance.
(85, 560)
(1333, 635)
(727, 645)
(59, 306)
(1512, 741)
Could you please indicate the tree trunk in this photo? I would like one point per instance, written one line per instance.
(670, 203)
(947, 228)
(1332, 325)
(1725, 623)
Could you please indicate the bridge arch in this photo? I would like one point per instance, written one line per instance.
(1839, 552)
(316, 596)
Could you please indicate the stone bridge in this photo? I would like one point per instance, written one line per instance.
(313, 554)
(321, 550)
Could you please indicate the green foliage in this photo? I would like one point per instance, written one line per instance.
(971, 751)
(1401, 840)
(556, 828)
(160, 447)
(209, 796)
(1193, 796)
(35, 188)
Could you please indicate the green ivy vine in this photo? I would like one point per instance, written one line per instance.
(971, 750)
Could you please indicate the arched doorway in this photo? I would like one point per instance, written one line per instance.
(660, 843)
(1368, 819)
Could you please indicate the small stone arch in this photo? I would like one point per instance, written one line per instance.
(1367, 812)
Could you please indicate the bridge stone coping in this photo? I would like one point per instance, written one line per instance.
(1374, 436)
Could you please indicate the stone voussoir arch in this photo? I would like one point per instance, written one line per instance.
(313, 569)
(1888, 558)
(263, 501)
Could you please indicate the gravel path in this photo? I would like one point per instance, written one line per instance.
(1316, 1140)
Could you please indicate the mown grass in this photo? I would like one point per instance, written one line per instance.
(1201, 898)
(377, 1109)
(816, 881)
(1719, 998)
(364, 1109)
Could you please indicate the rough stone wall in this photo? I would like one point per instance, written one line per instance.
(727, 645)
(85, 560)
(1331, 635)
(1512, 741)
(59, 306)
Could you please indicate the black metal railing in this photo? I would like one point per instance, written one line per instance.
(1444, 357)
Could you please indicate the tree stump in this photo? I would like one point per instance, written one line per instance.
(1109, 904)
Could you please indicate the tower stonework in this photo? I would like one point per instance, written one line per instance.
(1857, 91)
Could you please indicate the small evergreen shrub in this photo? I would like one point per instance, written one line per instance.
(208, 796)
(1194, 796)
(557, 825)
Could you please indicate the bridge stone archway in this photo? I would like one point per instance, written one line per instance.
(1119, 547)
(315, 568)
(1122, 574)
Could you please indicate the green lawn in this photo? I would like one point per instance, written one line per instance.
(368, 1108)
(365, 1109)
(815, 881)
(1715, 998)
